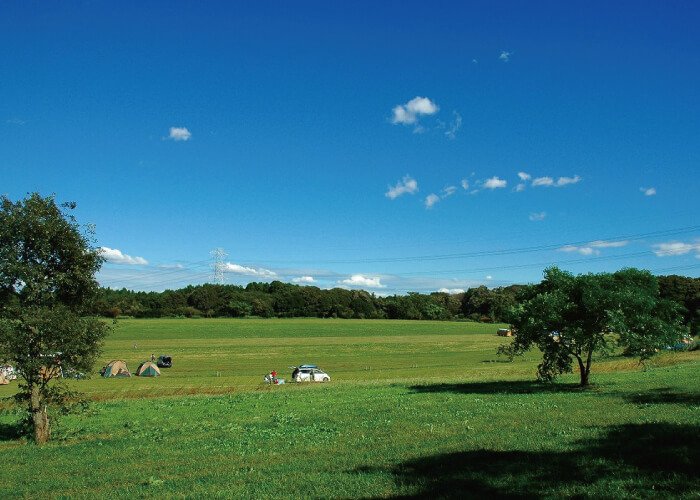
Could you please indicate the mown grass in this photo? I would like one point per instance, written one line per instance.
(438, 415)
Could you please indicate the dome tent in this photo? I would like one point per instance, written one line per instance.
(115, 368)
(148, 369)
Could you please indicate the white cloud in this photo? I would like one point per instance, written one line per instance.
(592, 247)
(538, 217)
(115, 256)
(406, 185)
(465, 184)
(505, 56)
(543, 181)
(582, 250)
(431, 200)
(451, 291)
(249, 271)
(549, 181)
(489, 277)
(304, 279)
(455, 125)
(359, 280)
(676, 248)
(495, 183)
(180, 134)
(409, 113)
(524, 177)
(563, 181)
(449, 191)
(608, 244)
(648, 191)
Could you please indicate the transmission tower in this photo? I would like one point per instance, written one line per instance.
(218, 255)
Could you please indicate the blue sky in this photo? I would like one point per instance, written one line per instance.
(390, 146)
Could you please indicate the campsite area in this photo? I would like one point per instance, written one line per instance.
(414, 409)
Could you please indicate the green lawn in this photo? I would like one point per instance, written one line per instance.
(414, 410)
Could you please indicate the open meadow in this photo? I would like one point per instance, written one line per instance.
(413, 410)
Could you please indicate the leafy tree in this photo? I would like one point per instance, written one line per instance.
(47, 286)
(569, 318)
(477, 303)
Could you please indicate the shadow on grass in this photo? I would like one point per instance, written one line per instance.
(502, 387)
(664, 396)
(641, 460)
(10, 432)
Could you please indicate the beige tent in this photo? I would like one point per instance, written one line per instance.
(3, 380)
(115, 368)
(148, 369)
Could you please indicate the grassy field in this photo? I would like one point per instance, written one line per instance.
(414, 410)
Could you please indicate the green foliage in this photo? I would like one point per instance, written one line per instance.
(568, 318)
(47, 288)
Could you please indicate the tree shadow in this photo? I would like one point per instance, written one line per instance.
(11, 432)
(499, 387)
(642, 460)
(664, 396)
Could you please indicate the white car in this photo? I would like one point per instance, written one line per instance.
(306, 373)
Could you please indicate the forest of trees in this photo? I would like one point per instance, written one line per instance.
(285, 300)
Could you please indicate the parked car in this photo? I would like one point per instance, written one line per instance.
(164, 361)
(309, 373)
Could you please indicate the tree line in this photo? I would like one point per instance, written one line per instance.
(286, 300)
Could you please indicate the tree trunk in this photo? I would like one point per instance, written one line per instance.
(584, 369)
(40, 419)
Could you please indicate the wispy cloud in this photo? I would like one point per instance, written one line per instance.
(465, 184)
(581, 250)
(358, 280)
(454, 125)
(675, 248)
(408, 114)
(448, 191)
(115, 256)
(15, 121)
(543, 181)
(451, 291)
(249, 271)
(407, 185)
(593, 248)
(431, 200)
(538, 216)
(505, 56)
(648, 191)
(550, 182)
(495, 183)
(564, 181)
(179, 134)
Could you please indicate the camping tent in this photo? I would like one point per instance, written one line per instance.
(148, 369)
(116, 368)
